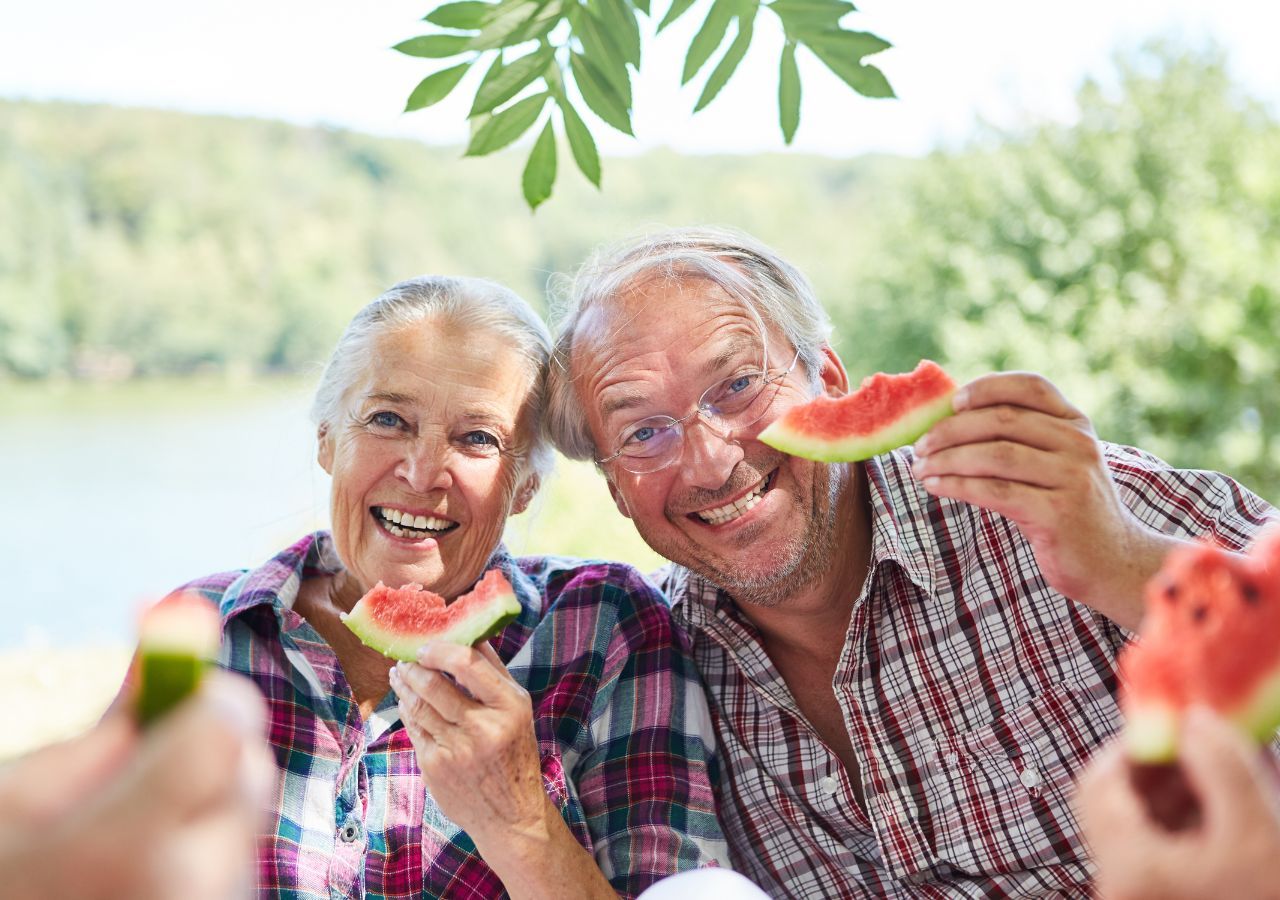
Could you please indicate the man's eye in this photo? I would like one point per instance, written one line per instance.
(640, 435)
(740, 384)
(386, 420)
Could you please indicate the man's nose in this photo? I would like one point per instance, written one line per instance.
(709, 454)
(425, 466)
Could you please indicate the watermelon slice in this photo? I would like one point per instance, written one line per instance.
(885, 412)
(177, 640)
(1211, 636)
(398, 622)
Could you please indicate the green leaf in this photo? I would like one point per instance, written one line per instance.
(708, 38)
(465, 14)
(434, 46)
(866, 80)
(501, 84)
(642, 5)
(789, 92)
(603, 51)
(435, 87)
(851, 45)
(811, 13)
(677, 9)
(505, 21)
(539, 25)
(540, 170)
(599, 95)
(504, 127)
(619, 18)
(581, 143)
(725, 68)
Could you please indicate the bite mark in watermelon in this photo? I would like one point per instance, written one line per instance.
(1211, 637)
(177, 640)
(885, 412)
(397, 622)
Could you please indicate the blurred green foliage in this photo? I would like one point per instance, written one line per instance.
(1132, 256)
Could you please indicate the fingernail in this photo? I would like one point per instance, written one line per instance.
(931, 483)
(921, 447)
(422, 651)
(960, 399)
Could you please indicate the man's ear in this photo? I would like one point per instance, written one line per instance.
(835, 380)
(618, 499)
(525, 494)
(324, 448)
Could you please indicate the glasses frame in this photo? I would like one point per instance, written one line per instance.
(702, 408)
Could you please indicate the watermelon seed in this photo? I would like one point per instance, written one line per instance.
(1171, 592)
(1250, 592)
(1199, 613)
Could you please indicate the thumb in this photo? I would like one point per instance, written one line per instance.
(44, 784)
(1223, 767)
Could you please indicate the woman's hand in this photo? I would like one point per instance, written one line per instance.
(476, 747)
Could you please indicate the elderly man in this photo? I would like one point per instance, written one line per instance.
(908, 659)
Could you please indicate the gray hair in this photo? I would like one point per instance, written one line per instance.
(744, 268)
(472, 303)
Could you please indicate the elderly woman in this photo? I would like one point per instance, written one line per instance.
(568, 759)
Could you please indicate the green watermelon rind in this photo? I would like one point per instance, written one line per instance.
(483, 623)
(902, 431)
(1151, 730)
(177, 641)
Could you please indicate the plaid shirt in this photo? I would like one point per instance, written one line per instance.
(619, 714)
(974, 694)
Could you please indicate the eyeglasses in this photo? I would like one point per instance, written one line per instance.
(727, 406)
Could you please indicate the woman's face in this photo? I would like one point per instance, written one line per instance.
(424, 457)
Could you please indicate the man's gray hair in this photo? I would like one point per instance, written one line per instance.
(741, 266)
(471, 303)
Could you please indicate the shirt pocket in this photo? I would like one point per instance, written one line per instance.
(1002, 795)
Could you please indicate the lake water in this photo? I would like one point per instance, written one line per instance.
(110, 496)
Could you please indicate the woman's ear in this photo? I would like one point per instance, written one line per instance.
(525, 494)
(324, 448)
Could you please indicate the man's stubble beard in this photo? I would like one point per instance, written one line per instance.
(801, 560)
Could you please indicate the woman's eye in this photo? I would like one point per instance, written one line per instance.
(481, 439)
(386, 420)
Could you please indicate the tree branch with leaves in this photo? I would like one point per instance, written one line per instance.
(538, 50)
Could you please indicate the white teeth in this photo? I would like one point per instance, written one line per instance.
(409, 525)
(731, 511)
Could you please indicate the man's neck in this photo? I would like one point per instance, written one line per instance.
(816, 618)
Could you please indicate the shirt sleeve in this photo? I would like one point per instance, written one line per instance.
(645, 784)
(1185, 503)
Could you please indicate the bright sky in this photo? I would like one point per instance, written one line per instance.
(322, 61)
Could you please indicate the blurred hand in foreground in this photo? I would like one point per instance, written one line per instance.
(171, 812)
(1232, 848)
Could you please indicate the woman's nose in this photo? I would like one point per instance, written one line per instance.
(425, 466)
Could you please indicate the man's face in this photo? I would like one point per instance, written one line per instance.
(753, 520)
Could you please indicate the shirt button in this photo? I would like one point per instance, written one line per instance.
(350, 832)
(828, 785)
(350, 750)
(1030, 778)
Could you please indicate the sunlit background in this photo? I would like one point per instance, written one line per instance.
(195, 198)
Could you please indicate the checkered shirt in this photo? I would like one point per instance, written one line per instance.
(619, 714)
(973, 693)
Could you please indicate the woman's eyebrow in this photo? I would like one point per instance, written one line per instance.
(390, 397)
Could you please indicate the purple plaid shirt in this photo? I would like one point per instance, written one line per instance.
(619, 714)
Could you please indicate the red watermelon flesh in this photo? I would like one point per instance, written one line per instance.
(885, 412)
(398, 622)
(1211, 636)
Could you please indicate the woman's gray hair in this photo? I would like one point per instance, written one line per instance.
(741, 266)
(471, 303)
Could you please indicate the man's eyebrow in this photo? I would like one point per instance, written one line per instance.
(622, 399)
(728, 354)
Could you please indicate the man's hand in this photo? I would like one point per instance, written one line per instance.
(1017, 447)
(1233, 851)
(171, 813)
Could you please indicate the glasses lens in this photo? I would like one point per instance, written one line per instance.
(650, 444)
(740, 400)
